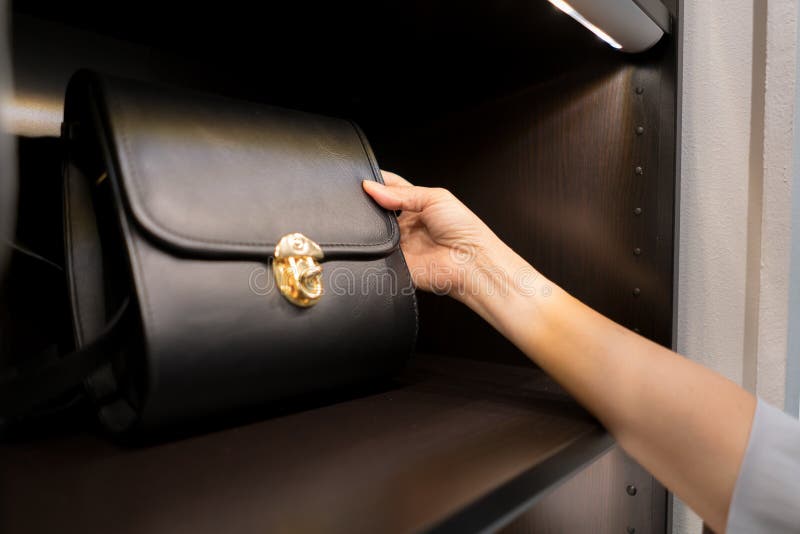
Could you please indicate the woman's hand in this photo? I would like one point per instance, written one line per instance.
(449, 250)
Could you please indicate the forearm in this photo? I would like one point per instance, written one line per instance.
(686, 424)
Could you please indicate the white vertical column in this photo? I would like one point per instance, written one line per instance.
(776, 202)
(715, 179)
(715, 159)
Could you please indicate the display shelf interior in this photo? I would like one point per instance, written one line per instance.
(513, 106)
(430, 449)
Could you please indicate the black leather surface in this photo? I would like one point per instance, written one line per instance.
(83, 255)
(214, 345)
(203, 187)
(223, 177)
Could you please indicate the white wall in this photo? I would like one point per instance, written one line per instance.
(738, 95)
(776, 202)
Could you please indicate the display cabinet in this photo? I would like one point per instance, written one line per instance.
(565, 146)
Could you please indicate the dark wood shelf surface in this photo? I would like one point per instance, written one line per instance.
(458, 444)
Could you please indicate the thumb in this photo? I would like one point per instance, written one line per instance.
(399, 197)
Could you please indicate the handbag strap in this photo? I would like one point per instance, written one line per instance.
(26, 388)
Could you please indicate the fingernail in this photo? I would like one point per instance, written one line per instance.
(371, 183)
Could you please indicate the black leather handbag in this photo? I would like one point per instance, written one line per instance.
(221, 255)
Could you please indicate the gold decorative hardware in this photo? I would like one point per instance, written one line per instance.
(297, 270)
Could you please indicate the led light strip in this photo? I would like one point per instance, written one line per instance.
(569, 10)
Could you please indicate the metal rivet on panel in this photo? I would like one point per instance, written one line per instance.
(630, 530)
(639, 90)
(636, 291)
(639, 130)
(637, 251)
(639, 170)
(631, 489)
(637, 211)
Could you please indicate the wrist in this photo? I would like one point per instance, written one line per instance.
(499, 284)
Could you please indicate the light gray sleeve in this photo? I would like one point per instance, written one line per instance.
(767, 493)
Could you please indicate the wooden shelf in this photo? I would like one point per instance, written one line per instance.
(457, 445)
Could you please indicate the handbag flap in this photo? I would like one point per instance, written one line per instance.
(215, 176)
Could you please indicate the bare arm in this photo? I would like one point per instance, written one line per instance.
(684, 423)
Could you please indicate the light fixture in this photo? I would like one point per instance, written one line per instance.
(627, 25)
(569, 10)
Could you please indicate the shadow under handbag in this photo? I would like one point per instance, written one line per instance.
(220, 255)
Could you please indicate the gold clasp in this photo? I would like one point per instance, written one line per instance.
(297, 271)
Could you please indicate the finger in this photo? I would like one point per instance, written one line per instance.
(390, 178)
(394, 197)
